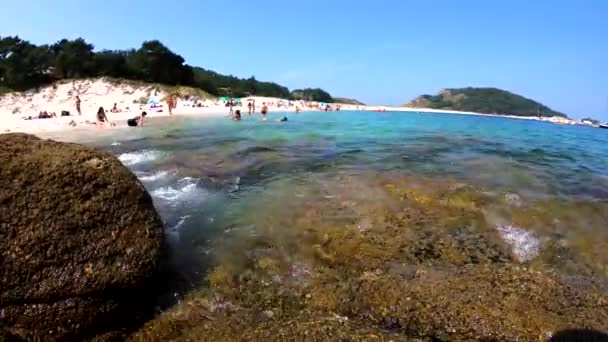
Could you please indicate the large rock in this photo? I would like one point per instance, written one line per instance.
(79, 240)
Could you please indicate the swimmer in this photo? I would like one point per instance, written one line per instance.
(137, 121)
(237, 115)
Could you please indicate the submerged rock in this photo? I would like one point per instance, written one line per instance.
(481, 302)
(79, 240)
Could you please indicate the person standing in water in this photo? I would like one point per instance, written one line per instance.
(231, 106)
(237, 115)
(78, 105)
(264, 111)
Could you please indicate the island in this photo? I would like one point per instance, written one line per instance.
(484, 100)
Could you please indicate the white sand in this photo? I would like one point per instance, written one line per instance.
(128, 96)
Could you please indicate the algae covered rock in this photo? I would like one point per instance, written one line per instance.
(79, 240)
(408, 260)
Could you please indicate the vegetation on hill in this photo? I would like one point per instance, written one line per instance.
(345, 100)
(310, 94)
(483, 100)
(24, 65)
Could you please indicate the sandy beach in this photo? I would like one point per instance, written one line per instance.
(131, 99)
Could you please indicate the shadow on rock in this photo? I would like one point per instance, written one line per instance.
(579, 335)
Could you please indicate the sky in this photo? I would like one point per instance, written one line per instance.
(377, 51)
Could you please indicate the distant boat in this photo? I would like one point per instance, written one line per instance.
(604, 126)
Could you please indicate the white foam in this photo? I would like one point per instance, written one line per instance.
(524, 244)
(116, 143)
(132, 158)
(185, 190)
(147, 177)
(172, 194)
(180, 224)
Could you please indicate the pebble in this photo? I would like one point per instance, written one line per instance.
(513, 199)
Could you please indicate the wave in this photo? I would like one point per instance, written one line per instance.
(180, 223)
(132, 158)
(524, 244)
(186, 188)
(148, 177)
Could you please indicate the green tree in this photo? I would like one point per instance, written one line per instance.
(154, 62)
(22, 64)
(72, 59)
(112, 63)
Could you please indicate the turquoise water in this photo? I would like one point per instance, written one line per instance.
(541, 158)
(207, 174)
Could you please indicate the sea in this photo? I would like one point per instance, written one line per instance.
(542, 188)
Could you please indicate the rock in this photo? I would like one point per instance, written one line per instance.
(79, 240)
(513, 200)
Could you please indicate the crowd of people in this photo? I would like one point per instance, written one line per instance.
(236, 114)
(101, 117)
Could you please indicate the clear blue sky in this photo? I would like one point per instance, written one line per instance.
(381, 51)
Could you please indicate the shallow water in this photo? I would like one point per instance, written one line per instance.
(217, 183)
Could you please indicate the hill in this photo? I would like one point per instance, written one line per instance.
(25, 66)
(345, 100)
(483, 100)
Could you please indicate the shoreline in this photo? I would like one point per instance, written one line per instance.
(131, 99)
(86, 122)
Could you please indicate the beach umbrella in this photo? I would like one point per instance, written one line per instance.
(152, 100)
(225, 99)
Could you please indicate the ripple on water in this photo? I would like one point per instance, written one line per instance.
(138, 157)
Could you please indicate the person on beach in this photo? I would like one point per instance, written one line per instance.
(46, 115)
(78, 105)
(264, 111)
(114, 108)
(137, 121)
(171, 103)
(249, 105)
(102, 117)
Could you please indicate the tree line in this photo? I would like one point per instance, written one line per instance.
(24, 65)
